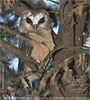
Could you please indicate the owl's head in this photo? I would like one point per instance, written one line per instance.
(36, 21)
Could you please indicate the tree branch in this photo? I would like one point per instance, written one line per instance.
(79, 49)
(13, 32)
(17, 52)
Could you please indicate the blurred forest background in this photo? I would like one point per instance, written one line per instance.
(68, 74)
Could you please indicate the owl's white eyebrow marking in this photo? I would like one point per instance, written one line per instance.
(35, 19)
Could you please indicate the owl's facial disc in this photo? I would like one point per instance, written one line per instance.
(33, 23)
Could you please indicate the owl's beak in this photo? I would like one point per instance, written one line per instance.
(35, 27)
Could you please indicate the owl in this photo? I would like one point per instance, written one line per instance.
(37, 26)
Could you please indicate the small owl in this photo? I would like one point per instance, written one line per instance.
(36, 25)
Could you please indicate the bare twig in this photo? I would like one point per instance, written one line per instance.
(54, 2)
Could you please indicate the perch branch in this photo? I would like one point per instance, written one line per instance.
(49, 56)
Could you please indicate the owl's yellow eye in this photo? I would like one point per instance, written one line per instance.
(29, 21)
(41, 20)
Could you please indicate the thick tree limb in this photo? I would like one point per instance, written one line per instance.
(17, 52)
